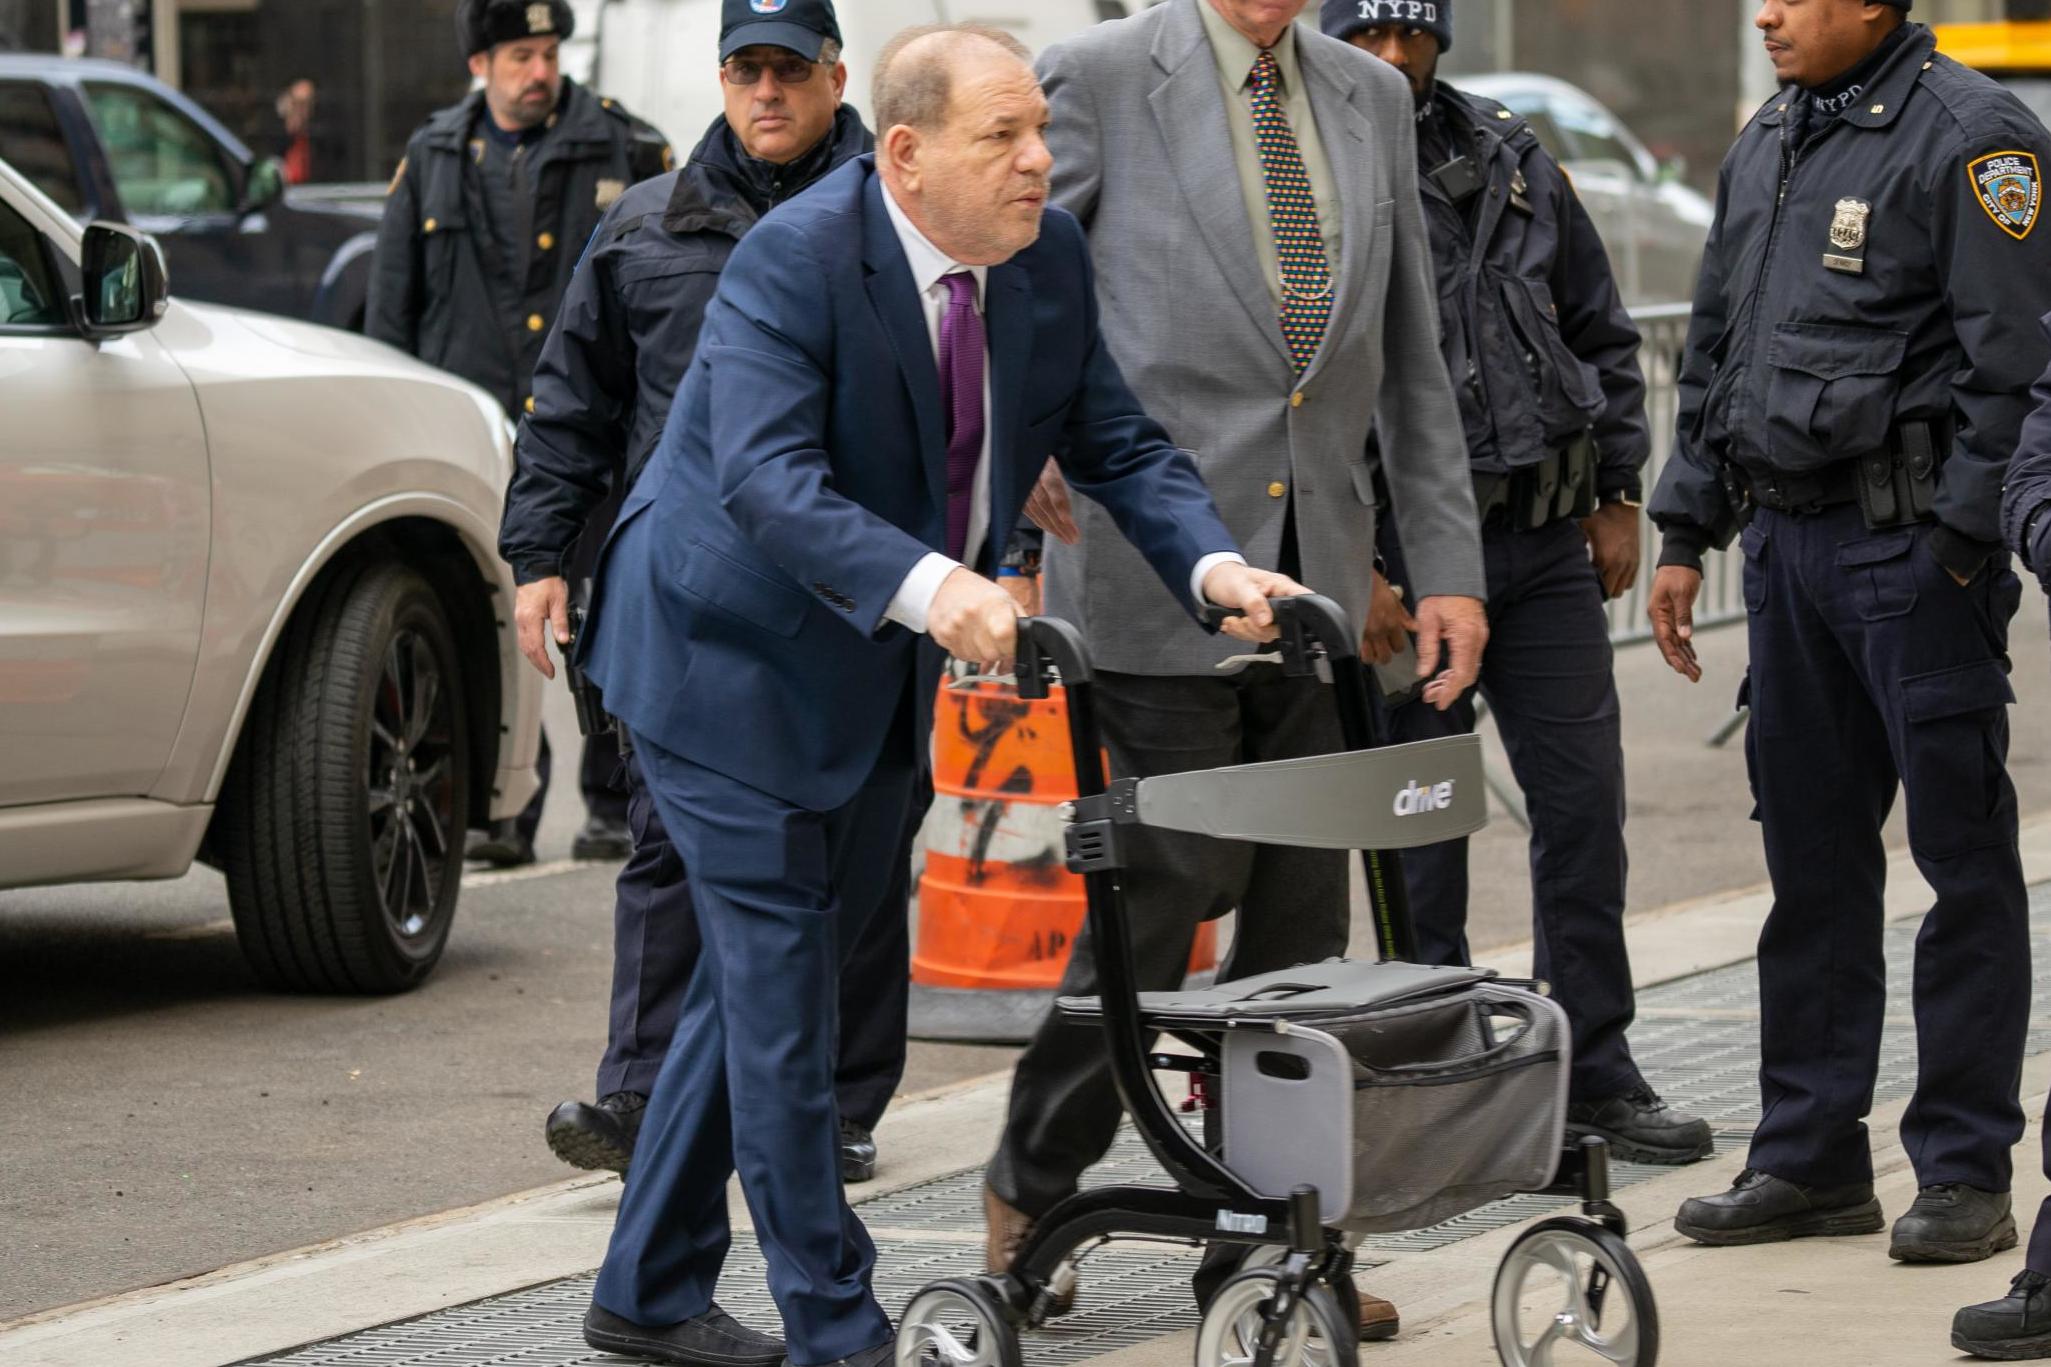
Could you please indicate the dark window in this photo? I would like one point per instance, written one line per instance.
(1107, 10)
(32, 143)
(30, 295)
(164, 164)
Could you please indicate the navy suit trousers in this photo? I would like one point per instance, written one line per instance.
(655, 951)
(1549, 678)
(748, 1085)
(1872, 667)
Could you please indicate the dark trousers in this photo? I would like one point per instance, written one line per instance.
(1549, 677)
(597, 768)
(655, 951)
(1871, 666)
(749, 1082)
(1292, 904)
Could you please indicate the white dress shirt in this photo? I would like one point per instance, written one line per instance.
(930, 267)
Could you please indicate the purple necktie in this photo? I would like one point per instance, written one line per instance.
(961, 389)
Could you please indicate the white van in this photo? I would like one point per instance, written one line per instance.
(660, 58)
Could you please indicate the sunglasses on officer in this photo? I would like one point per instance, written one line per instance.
(789, 69)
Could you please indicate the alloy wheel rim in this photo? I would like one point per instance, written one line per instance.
(411, 787)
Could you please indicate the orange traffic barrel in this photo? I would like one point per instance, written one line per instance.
(998, 908)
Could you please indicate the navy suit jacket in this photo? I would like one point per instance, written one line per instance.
(739, 620)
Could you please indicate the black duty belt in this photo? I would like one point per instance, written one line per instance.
(1560, 485)
(1895, 487)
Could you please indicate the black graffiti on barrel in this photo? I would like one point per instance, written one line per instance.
(1000, 716)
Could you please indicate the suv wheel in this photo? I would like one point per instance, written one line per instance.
(342, 820)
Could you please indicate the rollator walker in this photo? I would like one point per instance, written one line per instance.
(1343, 1098)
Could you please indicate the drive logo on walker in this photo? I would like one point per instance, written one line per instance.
(767, 6)
(1418, 798)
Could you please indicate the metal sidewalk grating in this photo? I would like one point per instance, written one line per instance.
(1133, 1292)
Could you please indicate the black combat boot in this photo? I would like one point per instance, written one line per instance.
(1641, 1128)
(1763, 1209)
(857, 1153)
(1953, 1223)
(597, 1137)
(502, 846)
(603, 839)
(2012, 1329)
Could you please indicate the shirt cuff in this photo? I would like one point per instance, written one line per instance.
(1683, 546)
(913, 601)
(1203, 571)
(527, 572)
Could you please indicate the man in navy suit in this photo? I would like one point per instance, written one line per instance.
(888, 363)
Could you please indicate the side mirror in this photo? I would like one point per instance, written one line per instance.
(265, 187)
(126, 288)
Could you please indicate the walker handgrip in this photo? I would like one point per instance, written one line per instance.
(1048, 645)
(1303, 619)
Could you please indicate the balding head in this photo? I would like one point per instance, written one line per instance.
(916, 70)
(961, 139)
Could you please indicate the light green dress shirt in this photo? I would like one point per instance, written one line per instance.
(1236, 56)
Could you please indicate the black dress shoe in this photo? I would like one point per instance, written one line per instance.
(1953, 1223)
(1641, 1128)
(2016, 1327)
(603, 839)
(869, 1357)
(597, 1137)
(502, 846)
(713, 1339)
(857, 1153)
(1764, 1209)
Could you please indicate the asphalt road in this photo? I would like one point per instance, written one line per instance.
(165, 1118)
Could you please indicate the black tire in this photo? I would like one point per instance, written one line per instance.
(1631, 1338)
(956, 1323)
(341, 824)
(1318, 1332)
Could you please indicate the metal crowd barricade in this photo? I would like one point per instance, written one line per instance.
(1723, 594)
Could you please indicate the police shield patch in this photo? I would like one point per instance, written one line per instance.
(2011, 190)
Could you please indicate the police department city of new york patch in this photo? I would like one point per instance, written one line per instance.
(2011, 190)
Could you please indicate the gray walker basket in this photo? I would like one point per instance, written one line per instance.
(1344, 1098)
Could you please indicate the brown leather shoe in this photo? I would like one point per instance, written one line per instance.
(1378, 1319)
(1006, 1229)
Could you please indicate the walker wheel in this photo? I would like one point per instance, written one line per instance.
(956, 1323)
(1570, 1291)
(1315, 1332)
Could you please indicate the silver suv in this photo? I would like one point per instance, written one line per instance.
(1653, 225)
(250, 611)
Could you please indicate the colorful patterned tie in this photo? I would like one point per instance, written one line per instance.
(961, 383)
(1299, 244)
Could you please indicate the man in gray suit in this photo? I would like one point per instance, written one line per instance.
(1249, 188)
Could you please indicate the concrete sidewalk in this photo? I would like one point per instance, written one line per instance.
(1811, 1302)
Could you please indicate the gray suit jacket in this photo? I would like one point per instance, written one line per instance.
(1143, 156)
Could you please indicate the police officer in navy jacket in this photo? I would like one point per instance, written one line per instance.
(1857, 370)
(886, 366)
